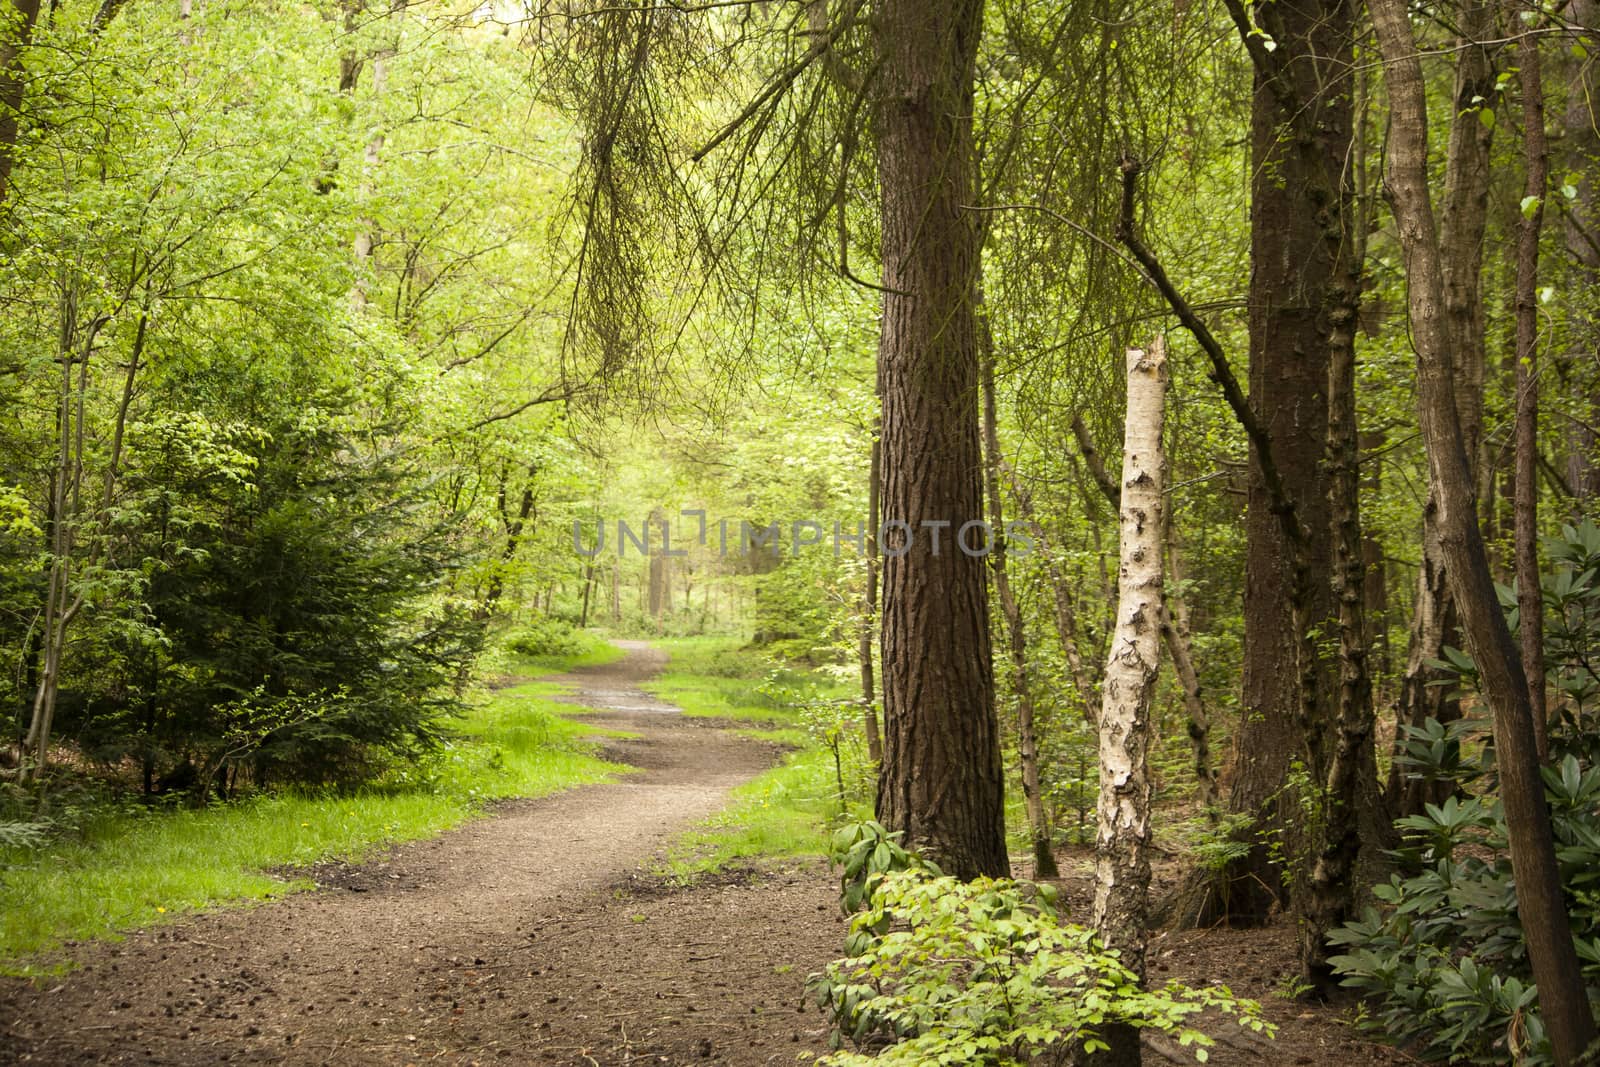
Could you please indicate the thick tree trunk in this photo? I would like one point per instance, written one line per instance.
(941, 780)
(1044, 861)
(1530, 597)
(1563, 1001)
(1122, 864)
(1301, 122)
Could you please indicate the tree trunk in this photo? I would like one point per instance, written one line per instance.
(1330, 892)
(1530, 598)
(17, 19)
(1581, 151)
(1462, 214)
(1044, 861)
(1174, 628)
(941, 781)
(1122, 865)
(660, 586)
(1299, 251)
(1175, 631)
(869, 610)
(1066, 619)
(1563, 1001)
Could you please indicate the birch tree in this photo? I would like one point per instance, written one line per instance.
(1122, 865)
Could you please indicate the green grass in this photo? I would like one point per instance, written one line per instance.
(596, 651)
(784, 811)
(716, 678)
(127, 870)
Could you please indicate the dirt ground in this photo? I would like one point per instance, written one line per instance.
(538, 936)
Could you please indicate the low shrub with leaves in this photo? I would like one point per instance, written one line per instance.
(941, 971)
(1443, 960)
(547, 637)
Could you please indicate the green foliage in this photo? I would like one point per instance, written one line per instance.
(1443, 958)
(549, 639)
(784, 811)
(984, 972)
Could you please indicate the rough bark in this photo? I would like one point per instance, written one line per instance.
(1295, 209)
(1563, 1001)
(941, 781)
(1122, 863)
(1044, 861)
(1330, 890)
(1174, 628)
(1530, 598)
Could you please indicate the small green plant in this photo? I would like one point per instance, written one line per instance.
(984, 972)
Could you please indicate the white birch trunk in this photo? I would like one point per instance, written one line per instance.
(1122, 867)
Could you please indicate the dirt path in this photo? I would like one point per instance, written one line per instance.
(528, 937)
(538, 937)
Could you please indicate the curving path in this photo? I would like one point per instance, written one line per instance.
(516, 939)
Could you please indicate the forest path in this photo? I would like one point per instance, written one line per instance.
(526, 937)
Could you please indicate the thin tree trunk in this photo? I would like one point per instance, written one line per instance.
(869, 611)
(17, 19)
(1044, 860)
(1122, 864)
(1530, 599)
(1581, 151)
(941, 782)
(588, 589)
(1174, 628)
(1175, 631)
(1563, 1001)
(1462, 217)
(1061, 594)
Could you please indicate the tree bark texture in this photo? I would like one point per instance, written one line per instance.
(1301, 120)
(941, 780)
(1122, 863)
(1463, 214)
(1044, 861)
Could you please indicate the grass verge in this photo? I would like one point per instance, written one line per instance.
(785, 811)
(128, 869)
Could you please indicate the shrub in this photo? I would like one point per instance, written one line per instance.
(982, 972)
(1443, 960)
(547, 637)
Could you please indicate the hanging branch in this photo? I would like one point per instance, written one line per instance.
(1221, 370)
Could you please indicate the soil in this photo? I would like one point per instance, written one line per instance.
(539, 935)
